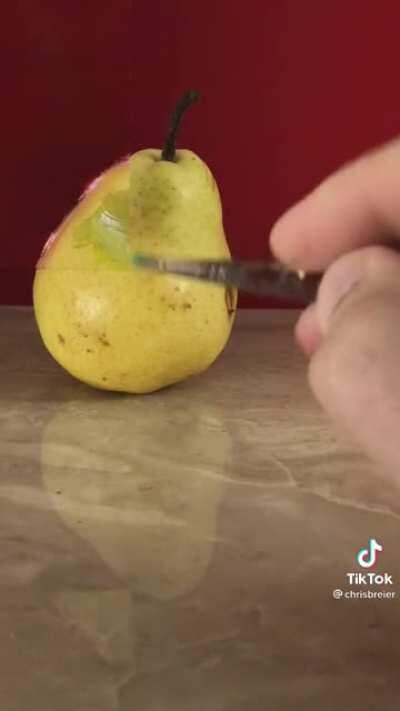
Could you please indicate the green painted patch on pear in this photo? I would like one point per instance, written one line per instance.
(106, 231)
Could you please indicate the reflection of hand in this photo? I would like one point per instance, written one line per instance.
(352, 332)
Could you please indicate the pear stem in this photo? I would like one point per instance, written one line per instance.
(184, 102)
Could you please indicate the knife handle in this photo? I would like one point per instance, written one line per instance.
(275, 280)
(290, 284)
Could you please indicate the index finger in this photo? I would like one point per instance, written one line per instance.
(356, 206)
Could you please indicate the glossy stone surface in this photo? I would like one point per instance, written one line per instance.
(178, 551)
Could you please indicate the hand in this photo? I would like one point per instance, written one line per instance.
(352, 332)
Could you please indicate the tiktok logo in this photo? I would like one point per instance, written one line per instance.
(366, 557)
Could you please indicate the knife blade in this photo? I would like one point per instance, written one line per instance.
(261, 278)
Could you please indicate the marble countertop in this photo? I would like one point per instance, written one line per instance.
(179, 551)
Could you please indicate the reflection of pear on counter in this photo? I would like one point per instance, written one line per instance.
(104, 617)
(143, 489)
(117, 327)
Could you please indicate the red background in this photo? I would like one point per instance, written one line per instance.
(290, 89)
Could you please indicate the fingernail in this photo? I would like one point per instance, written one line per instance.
(308, 334)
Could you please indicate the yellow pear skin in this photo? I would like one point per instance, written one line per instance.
(120, 328)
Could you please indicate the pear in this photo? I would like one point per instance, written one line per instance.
(121, 328)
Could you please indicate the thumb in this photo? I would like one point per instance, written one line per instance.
(355, 372)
